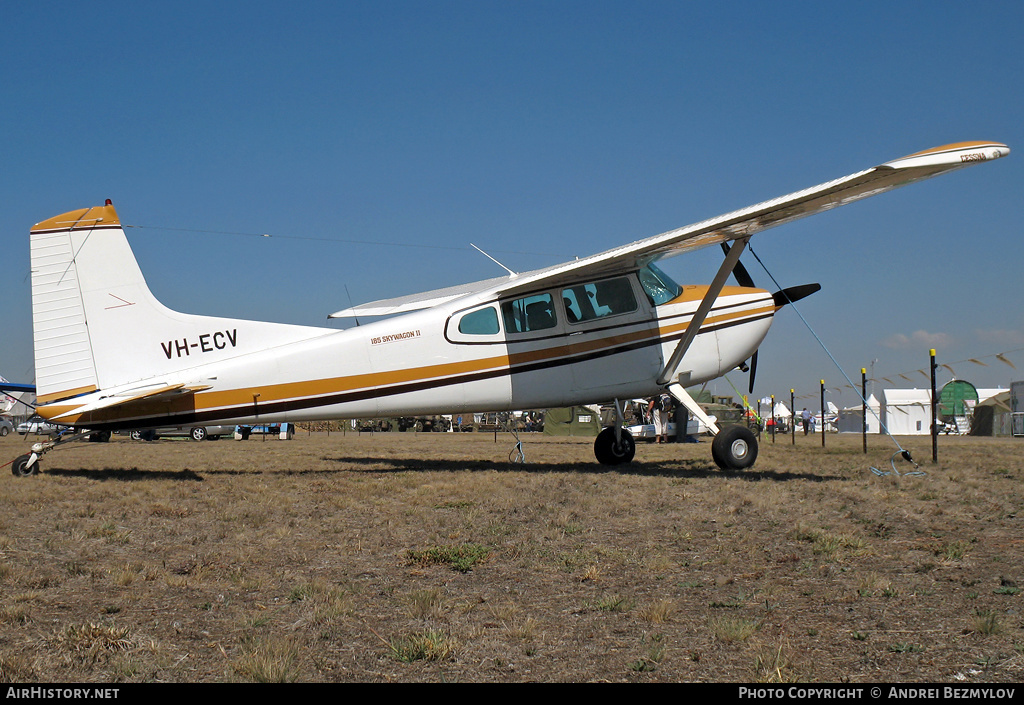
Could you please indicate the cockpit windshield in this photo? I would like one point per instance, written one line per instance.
(659, 286)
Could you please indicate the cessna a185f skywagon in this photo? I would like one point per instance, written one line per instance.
(109, 356)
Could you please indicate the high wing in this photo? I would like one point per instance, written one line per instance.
(739, 224)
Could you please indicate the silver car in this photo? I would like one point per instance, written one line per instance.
(39, 426)
(196, 433)
(5, 426)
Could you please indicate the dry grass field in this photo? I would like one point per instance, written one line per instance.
(429, 557)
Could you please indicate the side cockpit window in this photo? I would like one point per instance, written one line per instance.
(658, 286)
(530, 313)
(585, 302)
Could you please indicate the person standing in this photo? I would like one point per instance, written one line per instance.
(660, 408)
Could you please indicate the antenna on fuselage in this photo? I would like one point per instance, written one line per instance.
(510, 272)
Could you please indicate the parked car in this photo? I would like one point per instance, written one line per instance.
(645, 432)
(196, 433)
(6, 426)
(281, 430)
(39, 426)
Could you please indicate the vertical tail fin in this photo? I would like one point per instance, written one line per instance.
(65, 365)
(97, 325)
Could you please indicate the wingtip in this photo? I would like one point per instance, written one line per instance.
(950, 155)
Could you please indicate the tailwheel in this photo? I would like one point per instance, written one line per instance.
(612, 451)
(25, 465)
(28, 464)
(734, 448)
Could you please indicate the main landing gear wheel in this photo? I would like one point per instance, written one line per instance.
(610, 452)
(734, 448)
(21, 468)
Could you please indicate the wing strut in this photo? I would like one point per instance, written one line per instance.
(731, 258)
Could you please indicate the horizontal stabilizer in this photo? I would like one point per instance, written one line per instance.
(132, 396)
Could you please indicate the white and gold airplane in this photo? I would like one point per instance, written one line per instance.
(612, 326)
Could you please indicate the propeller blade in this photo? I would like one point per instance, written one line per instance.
(743, 277)
(753, 371)
(793, 294)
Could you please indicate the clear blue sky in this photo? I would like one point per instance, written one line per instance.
(376, 140)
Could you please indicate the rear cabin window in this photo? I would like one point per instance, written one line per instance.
(529, 314)
(482, 322)
(587, 302)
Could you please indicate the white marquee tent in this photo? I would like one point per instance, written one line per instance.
(907, 412)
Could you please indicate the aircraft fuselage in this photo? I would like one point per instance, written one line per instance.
(481, 356)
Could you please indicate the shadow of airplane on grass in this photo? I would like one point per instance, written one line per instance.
(679, 468)
(690, 469)
(127, 474)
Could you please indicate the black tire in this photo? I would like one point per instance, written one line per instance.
(198, 433)
(734, 448)
(20, 467)
(4, 431)
(608, 452)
